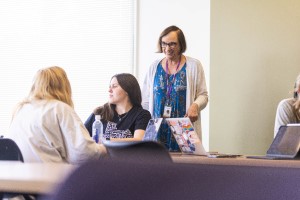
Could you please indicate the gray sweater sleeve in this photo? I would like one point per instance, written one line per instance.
(285, 114)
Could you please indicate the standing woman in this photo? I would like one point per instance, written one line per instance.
(123, 117)
(45, 125)
(175, 85)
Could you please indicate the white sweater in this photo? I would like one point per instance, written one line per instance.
(51, 131)
(285, 114)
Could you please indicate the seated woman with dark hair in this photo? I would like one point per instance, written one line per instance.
(288, 110)
(123, 117)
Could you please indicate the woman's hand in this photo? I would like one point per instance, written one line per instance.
(193, 112)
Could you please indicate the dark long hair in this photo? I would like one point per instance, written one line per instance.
(130, 85)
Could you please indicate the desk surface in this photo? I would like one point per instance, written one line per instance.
(184, 158)
(35, 178)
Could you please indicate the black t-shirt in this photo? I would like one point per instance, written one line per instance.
(123, 126)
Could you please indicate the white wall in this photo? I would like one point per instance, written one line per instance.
(254, 63)
(193, 17)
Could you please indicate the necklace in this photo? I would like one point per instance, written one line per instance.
(169, 85)
(122, 116)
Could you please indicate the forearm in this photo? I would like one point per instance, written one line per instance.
(201, 102)
(138, 136)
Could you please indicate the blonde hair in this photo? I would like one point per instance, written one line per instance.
(50, 83)
(297, 84)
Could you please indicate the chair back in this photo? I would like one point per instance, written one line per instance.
(9, 150)
(115, 179)
(138, 151)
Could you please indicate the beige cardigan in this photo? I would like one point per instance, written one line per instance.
(196, 88)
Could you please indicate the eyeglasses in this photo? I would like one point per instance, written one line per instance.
(170, 44)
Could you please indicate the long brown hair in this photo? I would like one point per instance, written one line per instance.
(130, 85)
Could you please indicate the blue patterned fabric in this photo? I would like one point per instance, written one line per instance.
(177, 101)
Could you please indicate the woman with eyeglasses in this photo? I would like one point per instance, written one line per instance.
(123, 117)
(288, 110)
(174, 85)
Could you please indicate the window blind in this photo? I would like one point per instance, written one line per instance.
(92, 40)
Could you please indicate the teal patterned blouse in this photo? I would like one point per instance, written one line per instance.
(177, 101)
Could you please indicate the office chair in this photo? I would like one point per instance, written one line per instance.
(139, 151)
(10, 151)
